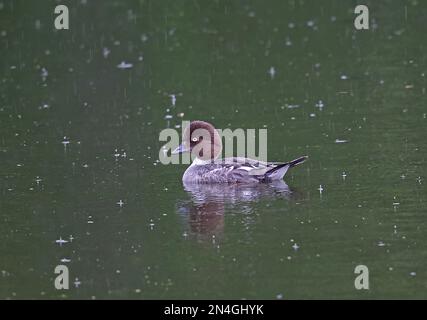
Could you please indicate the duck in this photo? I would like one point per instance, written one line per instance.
(203, 141)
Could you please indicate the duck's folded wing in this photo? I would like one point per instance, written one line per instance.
(245, 170)
(224, 174)
(241, 167)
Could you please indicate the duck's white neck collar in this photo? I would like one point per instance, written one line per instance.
(200, 162)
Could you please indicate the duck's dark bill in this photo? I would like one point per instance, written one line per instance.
(181, 149)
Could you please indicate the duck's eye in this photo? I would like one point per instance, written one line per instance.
(194, 139)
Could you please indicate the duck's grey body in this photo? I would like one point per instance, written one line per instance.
(237, 170)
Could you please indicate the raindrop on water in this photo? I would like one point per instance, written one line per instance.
(106, 52)
(61, 241)
(65, 142)
(272, 72)
(124, 65)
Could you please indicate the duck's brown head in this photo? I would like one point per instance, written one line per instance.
(202, 140)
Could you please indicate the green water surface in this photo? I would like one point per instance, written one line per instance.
(79, 149)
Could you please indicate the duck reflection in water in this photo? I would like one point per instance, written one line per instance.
(204, 212)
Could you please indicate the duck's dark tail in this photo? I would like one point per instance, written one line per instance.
(277, 173)
(297, 161)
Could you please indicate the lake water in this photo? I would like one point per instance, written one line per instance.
(81, 184)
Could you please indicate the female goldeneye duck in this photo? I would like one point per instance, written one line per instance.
(204, 142)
